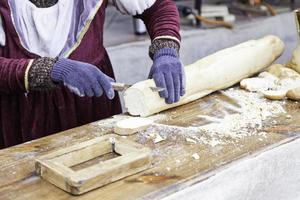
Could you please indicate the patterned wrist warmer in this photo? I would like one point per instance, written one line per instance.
(162, 44)
(39, 75)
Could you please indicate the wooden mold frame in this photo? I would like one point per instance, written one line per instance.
(56, 167)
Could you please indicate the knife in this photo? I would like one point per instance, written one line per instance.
(123, 86)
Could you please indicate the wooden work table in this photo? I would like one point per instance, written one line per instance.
(173, 167)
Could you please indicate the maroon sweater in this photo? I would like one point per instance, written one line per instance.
(26, 116)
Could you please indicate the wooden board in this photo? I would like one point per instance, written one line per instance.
(173, 166)
(56, 167)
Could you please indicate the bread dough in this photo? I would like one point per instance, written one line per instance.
(275, 94)
(264, 82)
(294, 94)
(276, 84)
(295, 61)
(283, 72)
(132, 125)
(217, 71)
(257, 84)
(268, 76)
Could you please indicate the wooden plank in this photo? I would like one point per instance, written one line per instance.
(173, 167)
(80, 153)
(55, 173)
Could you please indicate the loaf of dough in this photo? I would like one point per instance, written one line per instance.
(217, 71)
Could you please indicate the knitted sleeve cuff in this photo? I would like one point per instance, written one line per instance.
(39, 74)
(162, 43)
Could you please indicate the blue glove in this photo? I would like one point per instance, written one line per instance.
(168, 72)
(82, 78)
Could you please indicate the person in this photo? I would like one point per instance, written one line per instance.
(55, 73)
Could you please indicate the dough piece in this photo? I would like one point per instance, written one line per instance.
(275, 69)
(275, 95)
(264, 82)
(268, 76)
(283, 72)
(257, 84)
(289, 84)
(295, 61)
(132, 125)
(215, 72)
(294, 94)
(276, 84)
(286, 78)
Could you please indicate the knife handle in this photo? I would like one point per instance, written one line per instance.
(119, 86)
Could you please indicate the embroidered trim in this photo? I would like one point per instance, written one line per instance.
(84, 30)
(39, 74)
(43, 3)
(159, 44)
(26, 75)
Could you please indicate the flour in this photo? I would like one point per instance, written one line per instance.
(248, 120)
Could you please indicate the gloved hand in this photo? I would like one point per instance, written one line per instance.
(82, 78)
(168, 72)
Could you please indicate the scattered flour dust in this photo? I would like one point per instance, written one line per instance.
(254, 110)
(248, 120)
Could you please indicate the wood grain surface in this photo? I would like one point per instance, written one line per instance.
(173, 167)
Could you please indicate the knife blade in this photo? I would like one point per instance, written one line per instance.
(123, 86)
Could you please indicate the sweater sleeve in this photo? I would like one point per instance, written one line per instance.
(13, 75)
(162, 20)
